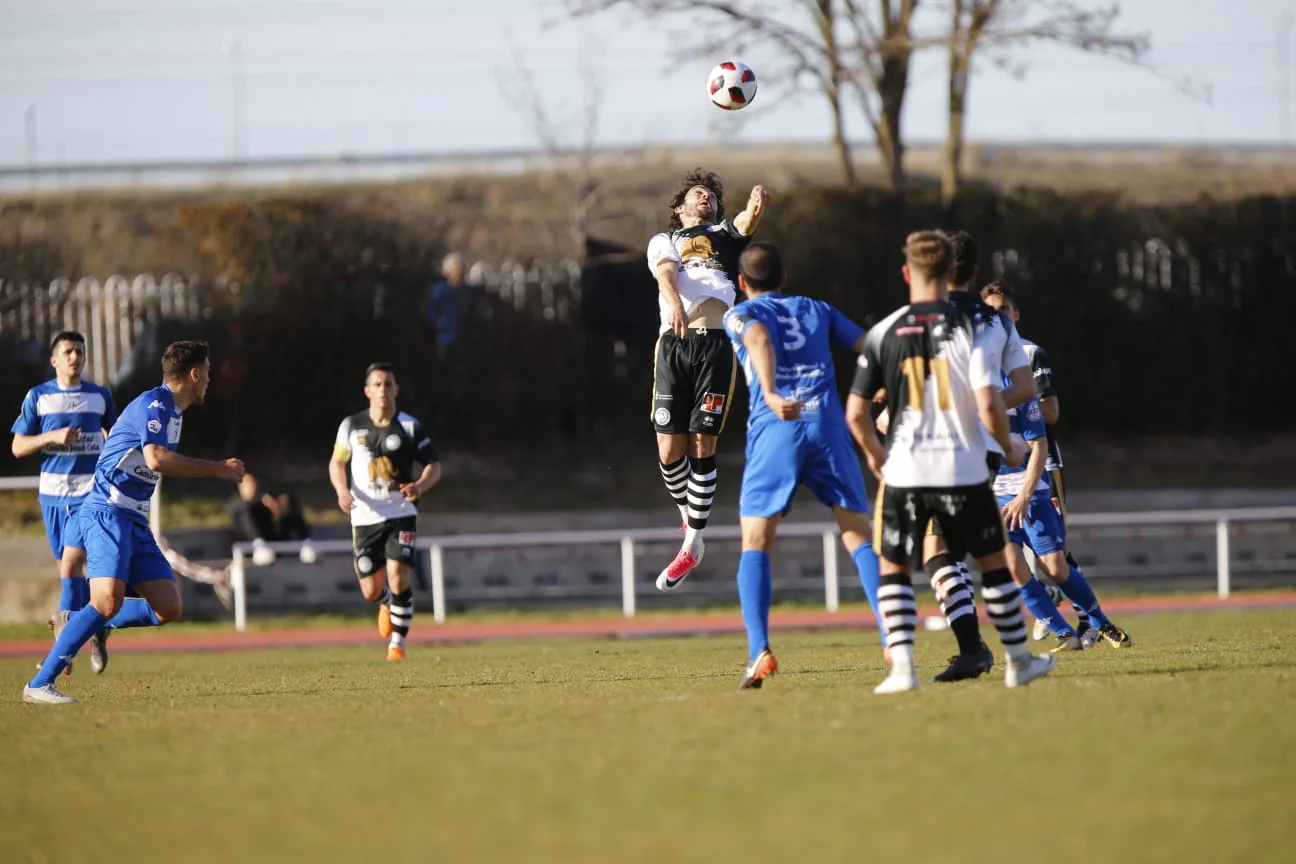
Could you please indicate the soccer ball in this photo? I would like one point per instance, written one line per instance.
(731, 85)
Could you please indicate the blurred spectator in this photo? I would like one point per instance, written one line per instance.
(261, 518)
(446, 301)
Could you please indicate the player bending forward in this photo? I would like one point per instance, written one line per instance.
(120, 548)
(695, 262)
(381, 445)
(796, 434)
(940, 390)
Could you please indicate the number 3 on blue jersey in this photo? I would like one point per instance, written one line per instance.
(794, 337)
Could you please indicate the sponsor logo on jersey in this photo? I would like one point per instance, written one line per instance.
(155, 426)
(662, 416)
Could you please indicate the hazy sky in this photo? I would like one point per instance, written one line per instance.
(153, 79)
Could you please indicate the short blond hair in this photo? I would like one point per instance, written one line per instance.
(929, 254)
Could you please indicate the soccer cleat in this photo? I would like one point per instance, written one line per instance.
(384, 621)
(1116, 636)
(901, 679)
(46, 695)
(1067, 642)
(964, 667)
(1089, 636)
(57, 622)
(1021, 674)
(679, 569)
(99, 651)
(395, 653)
(765, 665)
(1040, 632)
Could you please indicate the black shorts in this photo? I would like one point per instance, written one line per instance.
(1057, 490)
(390, 540)
(693, 382)
(967, 516)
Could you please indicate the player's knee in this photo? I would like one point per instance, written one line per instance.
(757, 538)
(372, 591)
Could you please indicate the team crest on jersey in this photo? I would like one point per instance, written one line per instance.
(713, 403)
(155, 426)
(392, 442)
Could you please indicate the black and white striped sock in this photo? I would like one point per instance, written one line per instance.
(1003, 604)
(701, 492)
(402, 613)
(956, 602)
(676, 476)
(899, 616)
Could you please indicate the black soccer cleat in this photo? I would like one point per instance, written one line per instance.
(965, 667)
(1116, 636)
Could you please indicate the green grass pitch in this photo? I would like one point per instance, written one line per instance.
(1183, 749)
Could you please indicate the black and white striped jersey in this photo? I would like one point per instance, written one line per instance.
(926, 357)
(1042, 368)
(382, 460)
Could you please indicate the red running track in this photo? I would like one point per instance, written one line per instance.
(652, 626)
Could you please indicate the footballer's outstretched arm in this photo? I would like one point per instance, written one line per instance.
(747, 220)
(168, 463)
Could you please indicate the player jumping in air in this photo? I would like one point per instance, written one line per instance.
(695, 262)
(381, 445)
(66, 421)
(942, 393)
(1036, 520)
(796, 434)
(120, 548)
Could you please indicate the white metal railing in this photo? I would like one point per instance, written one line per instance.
(436, 546)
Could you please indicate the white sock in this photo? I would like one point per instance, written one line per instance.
(397, 640)
(691, 536)
(902, 658)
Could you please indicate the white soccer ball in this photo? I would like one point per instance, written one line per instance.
(731, 85)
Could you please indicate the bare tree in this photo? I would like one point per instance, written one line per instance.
(571, 164)
(1001, 25)
(879, 59)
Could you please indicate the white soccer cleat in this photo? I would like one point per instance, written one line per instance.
(686, 561)
(1019, 675)
(262, 555)
(1040, 631)
(46, 695)
(307, 554)
(901, 679)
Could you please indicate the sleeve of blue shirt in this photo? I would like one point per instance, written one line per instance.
(736, 321)
(843, 331)
(28, 422)
(1032, 420)
(156, 418)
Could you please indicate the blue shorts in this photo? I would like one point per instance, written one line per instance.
(1043, 531)
(785, 453)
(121, 546)
(61, 527)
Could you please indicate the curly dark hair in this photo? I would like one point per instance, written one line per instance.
(696, 177)
(966, 252)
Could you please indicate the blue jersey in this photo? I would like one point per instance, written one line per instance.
(803, 332)
(122, 479)
(1027, 421)
(67, 470)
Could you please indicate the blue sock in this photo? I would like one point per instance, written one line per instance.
(80, 627)
(1077, 590)
(866, 562)
(69, 595)
(1040, 604)
(135, 612)
(755, 590)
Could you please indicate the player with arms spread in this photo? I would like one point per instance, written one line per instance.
(795, 434)
(66, 421)
(695, 262)
(120, 548)
(942, 394)
(381, 446)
